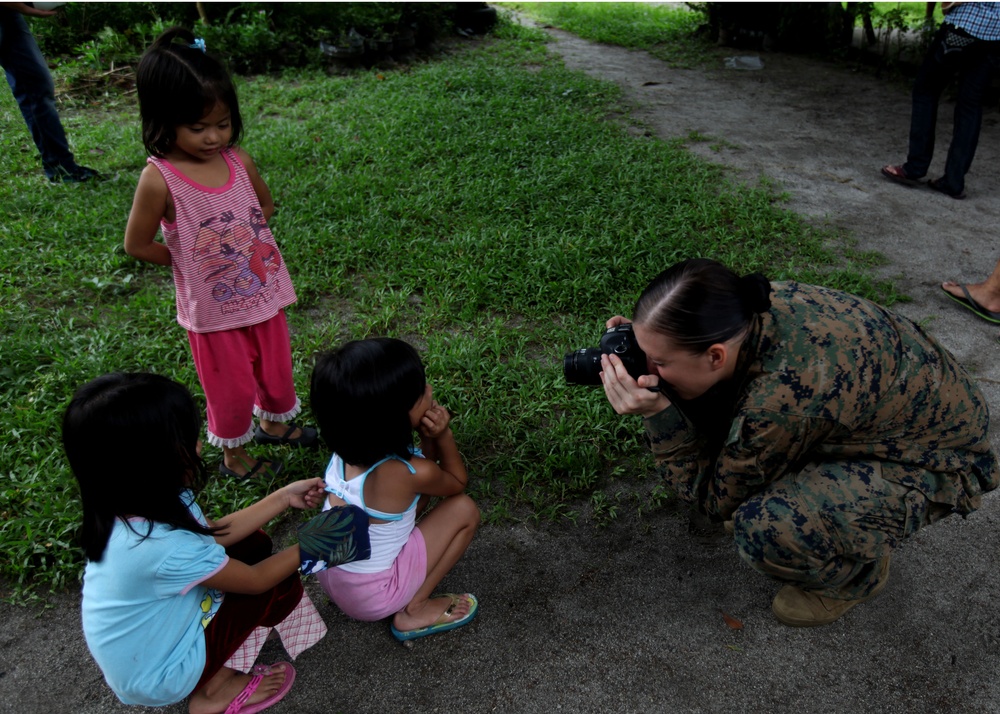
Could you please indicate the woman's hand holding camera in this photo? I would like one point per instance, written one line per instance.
(627, 395)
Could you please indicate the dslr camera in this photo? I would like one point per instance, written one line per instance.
(584, 365)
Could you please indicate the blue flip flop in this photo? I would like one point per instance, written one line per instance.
(969, 304)
(439, 626)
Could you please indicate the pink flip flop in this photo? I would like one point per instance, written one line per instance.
(239, 704)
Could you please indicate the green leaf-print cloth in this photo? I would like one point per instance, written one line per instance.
(334, 537)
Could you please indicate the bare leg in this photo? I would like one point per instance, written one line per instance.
(447, 531)
(225, 686)
(986, 293)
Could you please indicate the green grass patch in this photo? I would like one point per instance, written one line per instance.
(481, 206)
(665, 31)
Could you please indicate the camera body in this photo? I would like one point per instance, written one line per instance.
(584, 365)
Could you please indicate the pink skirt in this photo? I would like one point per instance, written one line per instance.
(373, 596)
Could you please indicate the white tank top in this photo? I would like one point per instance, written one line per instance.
(387, 539)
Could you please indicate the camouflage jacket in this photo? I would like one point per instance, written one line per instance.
(827, 376)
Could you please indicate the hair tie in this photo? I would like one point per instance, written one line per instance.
(755, 291)
(199, 44)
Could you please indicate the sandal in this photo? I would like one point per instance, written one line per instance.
(938, 185)
(273, 471)
(442, 624)
(898, 174)
(308, 437)
(239, 704)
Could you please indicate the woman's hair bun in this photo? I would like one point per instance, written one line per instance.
(755, 290)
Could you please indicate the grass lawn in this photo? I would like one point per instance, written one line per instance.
(484, 206)
(664, 30)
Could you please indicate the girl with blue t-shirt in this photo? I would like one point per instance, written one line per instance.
(169, 597)
(368, 397)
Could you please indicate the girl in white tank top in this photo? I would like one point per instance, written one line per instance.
(369, 397)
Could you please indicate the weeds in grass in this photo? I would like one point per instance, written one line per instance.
(480, 206)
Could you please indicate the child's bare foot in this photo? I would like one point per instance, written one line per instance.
(459, 611)
(278, 432)
(238, 463)
(226, 685)
(433, 611)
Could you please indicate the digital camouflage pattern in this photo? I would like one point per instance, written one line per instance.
(845, 428)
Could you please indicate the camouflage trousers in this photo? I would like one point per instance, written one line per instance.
(825, 528)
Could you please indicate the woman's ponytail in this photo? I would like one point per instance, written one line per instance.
(755, 292)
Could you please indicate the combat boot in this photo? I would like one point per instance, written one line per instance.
(802, 608)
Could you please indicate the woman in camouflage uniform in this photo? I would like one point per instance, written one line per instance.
(826, 427)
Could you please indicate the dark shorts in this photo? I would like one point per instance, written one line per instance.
(240, 614)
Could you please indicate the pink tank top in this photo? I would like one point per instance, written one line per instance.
(228, 272)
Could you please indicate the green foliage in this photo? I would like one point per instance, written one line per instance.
(246, 39)
(481, 206)
(901, 15)
(251, 37)
(894, 24)
(78, 23)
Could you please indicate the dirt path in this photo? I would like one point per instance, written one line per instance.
(822, 133)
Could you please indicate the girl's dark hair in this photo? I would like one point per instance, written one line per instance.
(699, 302)
(131, 440)
(179, 84)
(362, 395)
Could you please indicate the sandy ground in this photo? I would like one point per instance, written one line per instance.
(629, 619)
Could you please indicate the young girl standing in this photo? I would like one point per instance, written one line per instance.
(171, 601)
(205, 195)
(369, 397)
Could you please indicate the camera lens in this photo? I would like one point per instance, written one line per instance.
(583, 366)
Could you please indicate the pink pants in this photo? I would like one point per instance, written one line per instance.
(245, 371)
(372, 596)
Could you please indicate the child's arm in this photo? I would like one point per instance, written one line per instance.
(301, 494)
(238, 577)
(148, 207)
(442, 471)
(259, 187)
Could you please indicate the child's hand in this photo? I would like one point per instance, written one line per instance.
(305, 494)
(434, 422)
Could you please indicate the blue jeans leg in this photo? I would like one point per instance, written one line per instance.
(972, 84)
(974, 65)
(30, 81)
(935, 73)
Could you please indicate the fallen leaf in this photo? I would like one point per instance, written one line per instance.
(731, 621)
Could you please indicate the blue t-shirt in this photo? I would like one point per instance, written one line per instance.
(145, 612)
